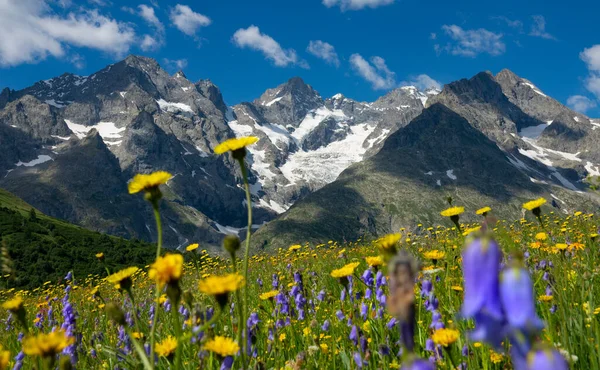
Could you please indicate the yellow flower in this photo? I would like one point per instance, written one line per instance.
(294, 247)
(268, 295)
(192, 247)
(222, 346)
(137, 335)
(374, 261)
(541, 236)
(531, 205)
(545, 298)
(148, 182)
(561, 246)
(167, 347)
(345, 271)
(576, 246)
(282, 337)
(483, 211)
(496, 357)
(324, 347)
(4, 359)
(167, 269)
(388, 242)
(100, 256)
(471, 230)
(231, 145)
(452, 211)
(445, 337)
(122, 279)
(215, 285)
(434, 255)
(457, 288)
(14, 304)
(47, 345)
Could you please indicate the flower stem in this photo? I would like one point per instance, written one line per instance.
(158, 227)
(139, 350)
(177, 325)
(246, 253)
(240, 311)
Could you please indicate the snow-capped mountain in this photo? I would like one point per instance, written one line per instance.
(71, 143)
(135, 117)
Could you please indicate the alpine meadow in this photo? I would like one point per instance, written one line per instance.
(443, 217)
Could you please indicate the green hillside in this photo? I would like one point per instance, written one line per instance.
(42, 248)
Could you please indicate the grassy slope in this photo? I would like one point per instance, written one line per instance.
(43, 248)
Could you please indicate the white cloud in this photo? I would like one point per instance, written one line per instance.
(147, 12)
(356, 4)
(30, 31)
(538, 28)
(148, 42)
(423, 82)
(188, 21)
(252, 38)
(470, 43)
(376, 72)
(591, 57)
(175, 64)
(580, 103)
(78, 61)
(323, 50)
(516, 24)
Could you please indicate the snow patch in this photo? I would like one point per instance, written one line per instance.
(273, 205)
(592, 170)
(107, 130)
(430, 173)
(324, 164)
(576, 119)
(534, 88)
(439, 183)
(228, 230)
(56, 104)
(123, 93)
(536, 181)
(42, 158)
(174, 107)
(273, 101)
(312, 120)
(201, 152)
(65, 138)
(185, 88)
(534, 132)
(450, 174)
(337, 96)
(555, 197)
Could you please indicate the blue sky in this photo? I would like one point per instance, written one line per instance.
(361, 48)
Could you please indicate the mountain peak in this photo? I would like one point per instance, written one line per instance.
(136, 60)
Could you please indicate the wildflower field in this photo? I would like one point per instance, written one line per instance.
(498, 294)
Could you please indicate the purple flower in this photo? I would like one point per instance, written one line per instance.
(488, 329)
(321, 296)
(354, 334)
(426, 288)
(227, 363)
(358, 360)
(417, 364)
(340, 315)
(69, 276)
(547, 359)
(364, 310)
(516, 294)
(481, 264)
(367, 277)
(325, 326)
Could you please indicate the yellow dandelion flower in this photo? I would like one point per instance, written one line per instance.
(545, 298)
(541, 236)
(453, 211)
(388, 242)
(282, 337)
(576, 246)
(374, 261)
(214, 285)
(122, 279)
(434, 255)
(533, 204)
(222, 346)
(167, 347)
(148, 182)
(324, 347)
(167, 269)
(47, 345)
(192, 247)
(268, 295)
(13, 305)
(495, 357)
(232, 145)
(457, 288)
(294, 247)
(445, 337)
(483, 211)
(471, 230)
(345, 271)
(4, 359)
(100, 256)
(561, 246)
